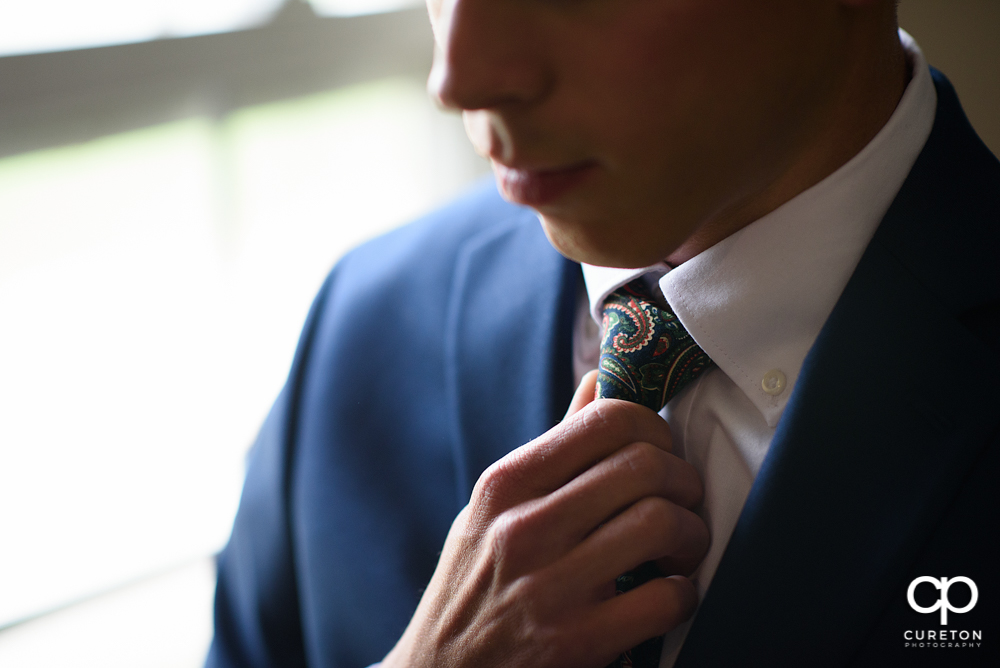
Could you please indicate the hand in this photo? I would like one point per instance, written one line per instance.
(527, 573)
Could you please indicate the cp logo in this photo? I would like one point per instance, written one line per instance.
(943, 603)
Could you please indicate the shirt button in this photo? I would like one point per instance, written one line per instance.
(773, 383)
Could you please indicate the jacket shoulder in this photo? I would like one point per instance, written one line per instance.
(944, 224)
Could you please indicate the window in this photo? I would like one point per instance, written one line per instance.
(57, 25)
(154, 274)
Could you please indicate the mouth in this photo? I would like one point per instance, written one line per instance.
(538, 187)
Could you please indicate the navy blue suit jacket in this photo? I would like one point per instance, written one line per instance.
(433, 351)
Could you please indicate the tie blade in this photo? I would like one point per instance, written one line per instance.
(647, 653)
(647, 357)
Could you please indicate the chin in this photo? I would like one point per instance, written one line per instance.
(597, 243)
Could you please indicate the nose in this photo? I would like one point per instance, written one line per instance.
(487, 54)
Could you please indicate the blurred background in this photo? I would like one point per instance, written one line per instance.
(176, 179)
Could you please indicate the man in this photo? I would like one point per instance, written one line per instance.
(788, 179)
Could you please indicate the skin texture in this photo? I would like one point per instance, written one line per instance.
(698, 116)
(526, 577)
(675, 123)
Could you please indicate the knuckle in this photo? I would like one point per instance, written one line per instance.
(657, 520)
(513, 537)
(482, 492)
(627, 421)
(643, 460)
(527, 592)
(492, 479)
(611, 416)
(691, 484)
(495, 482)
(502, 534)
(657, 515)
(678, 600)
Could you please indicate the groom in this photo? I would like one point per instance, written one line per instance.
(795, 188)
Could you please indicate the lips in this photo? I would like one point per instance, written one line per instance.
(538, 187)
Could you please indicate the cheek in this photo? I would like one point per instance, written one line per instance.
(649, 85)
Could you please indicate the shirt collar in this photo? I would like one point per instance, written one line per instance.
(756, 301)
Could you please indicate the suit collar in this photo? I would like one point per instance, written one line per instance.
(509, 326)
(943, 225)
(894, 403)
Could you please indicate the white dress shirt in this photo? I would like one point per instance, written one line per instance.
(755, 302)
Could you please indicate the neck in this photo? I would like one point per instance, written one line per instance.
(859, 99)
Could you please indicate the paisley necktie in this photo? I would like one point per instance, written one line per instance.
(646, 357)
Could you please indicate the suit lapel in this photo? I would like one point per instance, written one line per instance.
(877, 439)
(508, 343)
(894, 403)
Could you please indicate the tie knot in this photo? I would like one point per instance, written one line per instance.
(646, 354)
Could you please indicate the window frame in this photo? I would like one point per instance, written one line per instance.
(57, 98)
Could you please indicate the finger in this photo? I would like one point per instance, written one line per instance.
(619, 480)
(555, 524)
(568, 449)
(652, 529)
(584, 393)
(635, 472)
(650, 610)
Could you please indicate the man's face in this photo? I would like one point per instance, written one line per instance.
(628, 124)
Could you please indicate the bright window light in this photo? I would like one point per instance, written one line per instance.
(357, 7)
(160, 622)
(152, 286)
(31, 26)
(57, 25)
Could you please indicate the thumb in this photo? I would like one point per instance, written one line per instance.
(584, 393)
